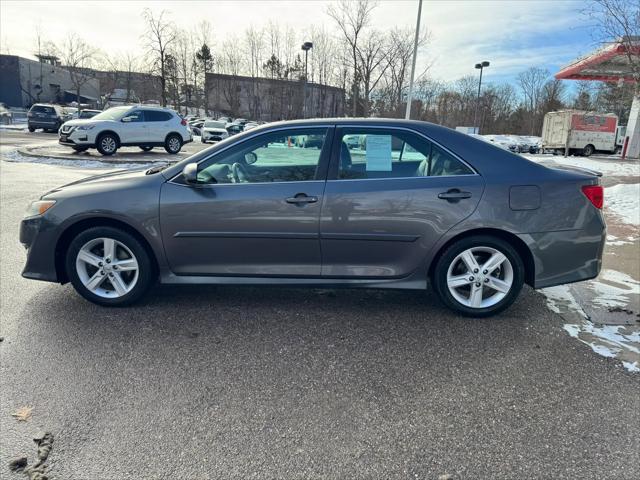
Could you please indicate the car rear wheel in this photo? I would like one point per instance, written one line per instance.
(107, 144)
(173, 143)
(146, 148)
(479, 276)
(588, 150)
(32, 129)
(108, 266)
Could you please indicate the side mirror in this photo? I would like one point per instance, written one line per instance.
(250, 158)
(126, 119)
(190, 173)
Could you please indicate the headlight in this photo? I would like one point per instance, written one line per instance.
(85, 127)
(39, 207)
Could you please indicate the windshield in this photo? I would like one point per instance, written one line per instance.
(211, 124)
(112, 114)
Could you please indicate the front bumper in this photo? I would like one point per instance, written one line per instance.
(38, 237)
(73, 138)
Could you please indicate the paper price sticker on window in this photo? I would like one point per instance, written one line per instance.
(378, 153)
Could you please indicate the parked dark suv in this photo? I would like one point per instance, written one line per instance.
(46, 116)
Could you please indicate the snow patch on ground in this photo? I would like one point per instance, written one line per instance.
(14, 126)
(614, 241)
(15, 156)
(612, 341)
(613, 288)
(615, 166)
(624, 201)
(560, 299)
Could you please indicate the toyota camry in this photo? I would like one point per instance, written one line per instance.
(411, 205)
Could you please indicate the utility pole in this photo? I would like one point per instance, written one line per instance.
(306, 46)
(480, 66)
(407, 114)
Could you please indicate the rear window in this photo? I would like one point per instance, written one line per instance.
(156, 116)
(43, 109)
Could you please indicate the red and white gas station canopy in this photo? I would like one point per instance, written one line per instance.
(608, 64)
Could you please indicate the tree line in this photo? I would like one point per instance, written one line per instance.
(370, 65)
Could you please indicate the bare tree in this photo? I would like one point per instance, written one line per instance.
(159, 37)
(254, 53)
(78, 57)
(351, 18)
(618, 20)
(532, 83)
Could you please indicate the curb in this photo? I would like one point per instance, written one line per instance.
(28, 152)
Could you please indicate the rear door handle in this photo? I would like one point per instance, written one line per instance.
(301, 198)
(454, 195)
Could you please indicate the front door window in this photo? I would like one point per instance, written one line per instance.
(284, 156)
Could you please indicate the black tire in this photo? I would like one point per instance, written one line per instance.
(146, 272)
(203, 140)
(104, 144)
(439, 277)
(173, 143)
(32, 129)
(146, 148)
(80, 149)
(588, 150)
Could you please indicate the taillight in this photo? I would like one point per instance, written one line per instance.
(183, 122)
(595, 194)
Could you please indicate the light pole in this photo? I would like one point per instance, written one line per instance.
(306, 46)
(407, 113)
(480, 66)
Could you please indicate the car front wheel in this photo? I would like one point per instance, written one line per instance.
(173, 144)
(107, 144)
(108, 266)
(479, 276)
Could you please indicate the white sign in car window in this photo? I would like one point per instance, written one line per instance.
(378, 153)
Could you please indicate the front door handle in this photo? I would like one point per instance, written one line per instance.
(454, 195)
(301, 198)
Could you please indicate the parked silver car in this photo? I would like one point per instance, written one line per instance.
(419, 205)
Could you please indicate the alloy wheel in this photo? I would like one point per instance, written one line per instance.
(174, 144)
(108, 144)
(107, 267)
(480, 277)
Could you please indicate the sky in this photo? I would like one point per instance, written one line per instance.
(512, 35)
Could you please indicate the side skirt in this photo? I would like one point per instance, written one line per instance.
(412, 282)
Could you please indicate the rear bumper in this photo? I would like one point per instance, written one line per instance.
(43, 123)
(567, 256)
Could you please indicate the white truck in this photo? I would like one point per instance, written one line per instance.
(581, 133)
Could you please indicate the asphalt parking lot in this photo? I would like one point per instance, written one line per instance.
(205, 382)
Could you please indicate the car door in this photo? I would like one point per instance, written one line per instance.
(157, 124)
(133, 128)
(389, 198)
(254, 212)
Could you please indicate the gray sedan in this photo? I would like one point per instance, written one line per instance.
(413, 205)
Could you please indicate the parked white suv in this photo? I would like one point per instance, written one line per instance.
(142, 126)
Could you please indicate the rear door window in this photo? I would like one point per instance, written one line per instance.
(156, 116)
(380, 153)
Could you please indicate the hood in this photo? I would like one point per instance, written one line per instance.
(80, 121)
(214, 130)
(120, 179)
